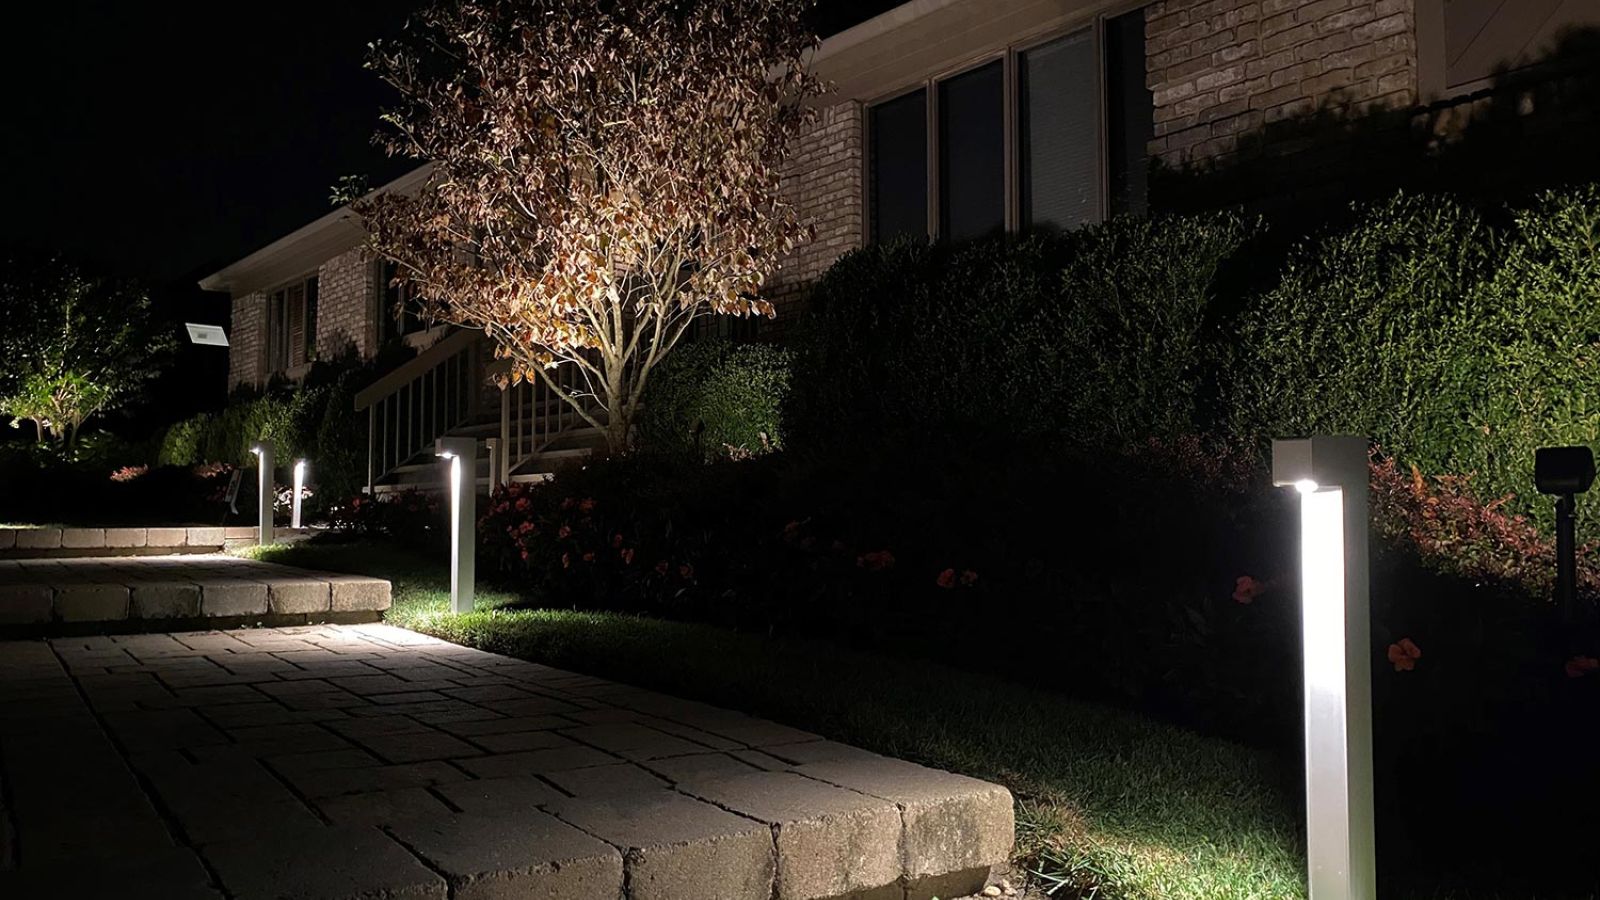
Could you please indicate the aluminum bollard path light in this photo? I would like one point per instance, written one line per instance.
(299, 489)
(1331, 475)
(461, 455)
(264, 495)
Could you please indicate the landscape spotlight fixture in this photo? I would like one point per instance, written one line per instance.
(1565, 472)
(461, 456)
(264, 493)
(1330, 473)
(299, 488)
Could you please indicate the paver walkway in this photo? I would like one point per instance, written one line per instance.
(369, 761)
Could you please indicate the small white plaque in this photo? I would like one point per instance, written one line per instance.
(212, 335)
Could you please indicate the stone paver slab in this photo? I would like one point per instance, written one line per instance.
(952, 823)
(831, 842)
(515, 855)
(677, 847)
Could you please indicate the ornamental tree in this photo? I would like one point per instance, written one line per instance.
(74, 345)
(604, 172)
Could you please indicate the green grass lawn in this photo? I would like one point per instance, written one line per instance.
(1110, 804)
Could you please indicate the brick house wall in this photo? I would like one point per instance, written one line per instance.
(346, 305)
(245, 347)
(823, 180)
(1220, 70)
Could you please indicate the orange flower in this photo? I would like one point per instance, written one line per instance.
(1579, 666)
(946, 579)
(1404, 655)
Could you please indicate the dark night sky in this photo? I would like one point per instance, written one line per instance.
(164, 140)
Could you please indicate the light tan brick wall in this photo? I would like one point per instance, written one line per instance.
(1221, 70)
(345, 305)
(823, 180)
(245, 336)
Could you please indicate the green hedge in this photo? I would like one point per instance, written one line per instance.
(1458, 343)
(1100, 333)
(317, 422)
(718, 399)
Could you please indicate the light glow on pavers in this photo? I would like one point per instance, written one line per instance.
(341, 761)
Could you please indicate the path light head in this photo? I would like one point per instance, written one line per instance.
(1563, 470)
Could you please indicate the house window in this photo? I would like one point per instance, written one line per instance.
(898, 180)
(972, 153)
(292, 325)
(1065, 146)
(401, 312)
(1464, 46)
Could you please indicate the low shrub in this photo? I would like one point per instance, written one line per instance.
(411, 518)
(715, 398)
(915, 549)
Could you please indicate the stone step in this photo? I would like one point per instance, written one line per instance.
(165, 591)
(51, 541)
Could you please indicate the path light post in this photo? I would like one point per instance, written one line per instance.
(264, 497)
(1565, 472)
(460, 454)
(1331, 475)
(299, 488)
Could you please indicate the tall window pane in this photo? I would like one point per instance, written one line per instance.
(898, 193)
(972, 168)
(1060, 124)
(1130, 115)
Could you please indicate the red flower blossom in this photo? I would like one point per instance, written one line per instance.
(586, 504)
(876, 561)
(627, 556)
(522, 504)
(686, 572)
(524, 556)
(1247, 589)
(1404, 655)
(616, 540)
(566, 560)
(791, 531)
(1579, 666)
(661, 567)
(968, 578)
(566, 502)
(564, 533)
(588, 556)
(946, 579)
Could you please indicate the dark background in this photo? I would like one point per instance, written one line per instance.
(164, 141)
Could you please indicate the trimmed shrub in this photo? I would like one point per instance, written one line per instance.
(1100, 333)
(717, 398)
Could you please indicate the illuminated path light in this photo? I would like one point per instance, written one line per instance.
(299, 488)
(264, 494)
(1330, 474)
(461, 455)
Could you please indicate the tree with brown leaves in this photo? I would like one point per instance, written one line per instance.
(604, 172)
